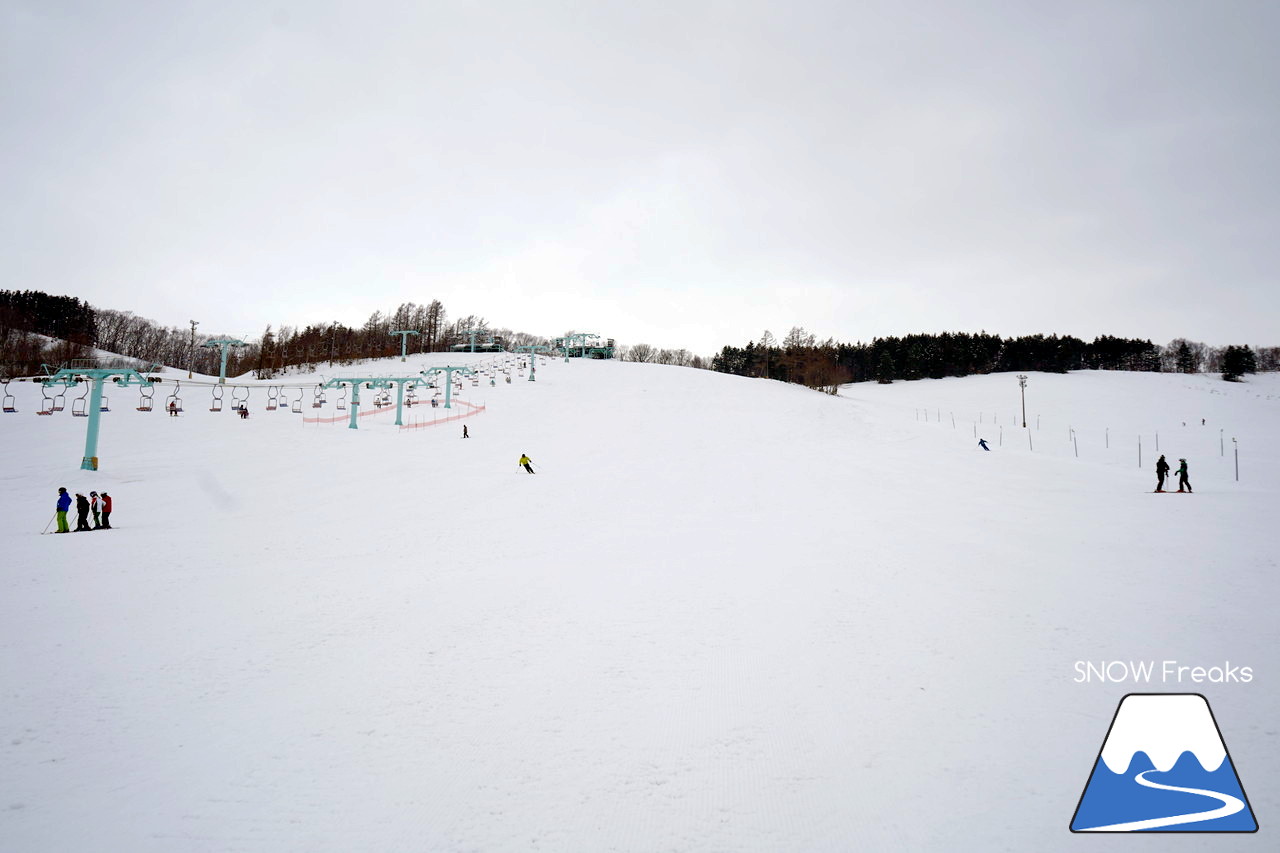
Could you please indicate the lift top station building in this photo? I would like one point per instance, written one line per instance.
(584, 345)
(496, 343)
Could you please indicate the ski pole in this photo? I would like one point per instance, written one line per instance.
(46, 527)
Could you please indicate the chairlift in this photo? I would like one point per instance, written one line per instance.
(173, 402)
(273, 395)
(80, 405)
(238, 402)
(46, 403)
(284, 398)
(216, 404)
(317, 398)
(102, 406)
(60, 400)
(147, 393)
(10, 402)
(411, 396)
(341, 402)
(296, 408)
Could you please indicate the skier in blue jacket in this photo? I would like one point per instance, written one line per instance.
(64, 504)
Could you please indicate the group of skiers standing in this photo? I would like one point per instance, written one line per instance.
(99, 505)
(1162, 471)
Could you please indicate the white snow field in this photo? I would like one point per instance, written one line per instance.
(726, 614)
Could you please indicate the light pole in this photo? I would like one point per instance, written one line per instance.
(192, 358)
(1022, 383)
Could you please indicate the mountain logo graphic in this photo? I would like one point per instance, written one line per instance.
(1164, 768)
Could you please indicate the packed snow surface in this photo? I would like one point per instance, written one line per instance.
(725, 614)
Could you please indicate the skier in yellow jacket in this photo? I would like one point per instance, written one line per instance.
(527, 463)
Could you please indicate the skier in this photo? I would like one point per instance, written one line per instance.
(1162, 471)
(173, 408)
(106, 511)
(93, 508)
(526, 462)
(982, 442)
(244, 412)
(465, 434)
(82, 513)
(1182, 475)
(64, 503)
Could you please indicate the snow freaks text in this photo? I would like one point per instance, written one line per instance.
(1161, 672)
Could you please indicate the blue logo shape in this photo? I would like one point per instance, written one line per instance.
(1164, 767)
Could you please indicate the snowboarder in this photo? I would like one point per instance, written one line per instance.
(982, 442)
(82, 513)
(106, 511)
(1182, 475)
(526, 462)
(173, 408)
(94, 508)
(1162, 471)
(64, 503)
(465, 434)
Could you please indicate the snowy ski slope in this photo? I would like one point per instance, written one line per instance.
(726, 614)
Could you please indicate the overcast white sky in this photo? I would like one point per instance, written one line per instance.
(684, 174)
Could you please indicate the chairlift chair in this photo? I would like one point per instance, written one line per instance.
(10, 402)
(216, 404)
(296, 408)
(238, 402)
(273, 395)
(147, 393)
(341, 402)
(60, 400)
(80, 405)
(317, 398)
(173, 399)
(103, 407)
